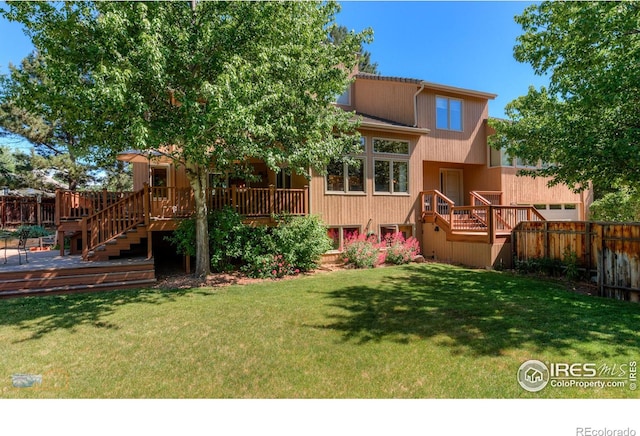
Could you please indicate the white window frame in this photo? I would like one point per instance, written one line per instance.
(449, 99)
(376, 138)
(391, 163)
(345, 175)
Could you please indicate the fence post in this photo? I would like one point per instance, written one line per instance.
(545, 229)
(587, 249)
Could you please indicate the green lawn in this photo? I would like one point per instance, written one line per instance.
(418, 331)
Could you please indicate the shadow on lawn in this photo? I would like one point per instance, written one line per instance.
(44, 314)
(484, 313)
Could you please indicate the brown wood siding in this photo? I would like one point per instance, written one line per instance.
(140, 175)
(527, 190)
(474, 177)
(468, 146)
(473, 254)
(385, 99)
(374, 210)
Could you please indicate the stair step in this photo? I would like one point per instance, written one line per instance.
(96, 279)
(78, 288)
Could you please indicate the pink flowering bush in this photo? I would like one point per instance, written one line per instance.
(271, 266)
(361, 251)
(401, 250)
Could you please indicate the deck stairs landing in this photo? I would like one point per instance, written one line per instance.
(483, 220)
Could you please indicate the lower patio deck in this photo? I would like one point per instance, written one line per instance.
(47, 273)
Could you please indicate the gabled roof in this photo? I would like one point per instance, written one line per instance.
(429, 85)
(377, 123)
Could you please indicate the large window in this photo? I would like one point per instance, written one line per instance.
(448, 114)
(391, 176)
(344, 177)
(392, 146)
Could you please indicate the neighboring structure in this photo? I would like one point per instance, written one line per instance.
(425, 170)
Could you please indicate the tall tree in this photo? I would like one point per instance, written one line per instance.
(26, 110)
(210, 83)
(586, 124)
(338, 34)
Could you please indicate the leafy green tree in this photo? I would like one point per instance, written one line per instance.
(621, 205)
(208, 83)
(585, 125)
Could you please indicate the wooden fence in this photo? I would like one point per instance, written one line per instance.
(16, 211)
(608, 253)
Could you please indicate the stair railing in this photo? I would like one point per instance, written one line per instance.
(115, 220)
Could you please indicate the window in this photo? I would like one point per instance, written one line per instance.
(339, 235)
(159, 181)
(283, 180)
(391, 176)
(343, 177)
(345, 98)
(448, 114)
(393, 146)
(392, 229)
(499, 158)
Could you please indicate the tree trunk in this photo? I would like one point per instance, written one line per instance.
(198, 180)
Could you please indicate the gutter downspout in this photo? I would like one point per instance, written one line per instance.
(415, 105)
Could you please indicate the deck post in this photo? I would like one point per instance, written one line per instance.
(307, 209)
(490, 225)
(272, 200)
(60, 239)
(233, 198)
(85, 242)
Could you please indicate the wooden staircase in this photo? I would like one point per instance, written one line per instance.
(122, 243)
(483, 221)
(87, 277)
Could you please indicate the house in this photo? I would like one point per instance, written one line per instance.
(425, 169)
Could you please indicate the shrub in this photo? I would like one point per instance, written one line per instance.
(226, 237)
(295, 244)
(33, 231)
(361, 251)
(400, 250)
(301, 240)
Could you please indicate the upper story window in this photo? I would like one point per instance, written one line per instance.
(393, 146)
(345, 98)
(343, 177)
(449, 113)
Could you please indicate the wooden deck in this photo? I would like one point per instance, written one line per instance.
(48, 273)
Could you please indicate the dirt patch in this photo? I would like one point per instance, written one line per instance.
(180, 280)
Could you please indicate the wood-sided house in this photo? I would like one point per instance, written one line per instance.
(425, 170)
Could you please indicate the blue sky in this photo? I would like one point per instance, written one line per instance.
(463, 44)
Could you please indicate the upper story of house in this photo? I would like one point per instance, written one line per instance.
(453, 121)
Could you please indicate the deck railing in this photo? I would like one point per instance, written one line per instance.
(115, 220)
(171, 202)
(481, 217)
(74, 205)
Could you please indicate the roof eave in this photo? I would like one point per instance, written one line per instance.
(394, 129)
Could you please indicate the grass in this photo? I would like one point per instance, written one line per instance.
(417, 331)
